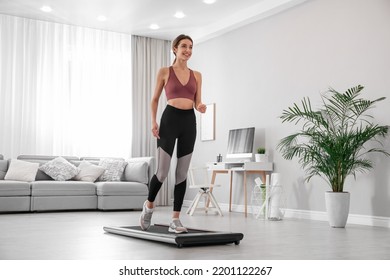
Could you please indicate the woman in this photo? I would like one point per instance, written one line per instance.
(178, 122)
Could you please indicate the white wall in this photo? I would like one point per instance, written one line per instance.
(256, 71)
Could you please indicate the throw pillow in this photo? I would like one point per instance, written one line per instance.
(59, 169)
(3, 168)
(137, 172)
(20, 170)
(89, 172)
(113, 169)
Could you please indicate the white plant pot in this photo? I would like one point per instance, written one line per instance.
(261, 158)
(337, 207)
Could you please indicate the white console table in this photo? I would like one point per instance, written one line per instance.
(246, 167)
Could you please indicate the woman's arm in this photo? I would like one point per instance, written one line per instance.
(198, 100)
(161, 76)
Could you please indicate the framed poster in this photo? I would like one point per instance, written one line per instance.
(207, 123)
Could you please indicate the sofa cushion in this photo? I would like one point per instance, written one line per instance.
(62, 188)
(59, 169)
(14, 188)
(137, 172)
(113, 169)
(20, 170)
(89, 172)
(42, 176)
(121, 188)
(42, 160)
(3, 168)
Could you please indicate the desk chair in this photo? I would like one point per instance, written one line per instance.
(199, 179)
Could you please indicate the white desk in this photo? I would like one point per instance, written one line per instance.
(246, 167)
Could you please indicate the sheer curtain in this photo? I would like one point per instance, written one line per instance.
(149, 55)
(65, 90)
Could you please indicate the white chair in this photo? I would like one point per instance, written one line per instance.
(199, 179)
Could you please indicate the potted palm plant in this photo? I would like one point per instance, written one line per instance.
(332, 143)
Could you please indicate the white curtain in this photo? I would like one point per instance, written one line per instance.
(65, 90)
(149, 55)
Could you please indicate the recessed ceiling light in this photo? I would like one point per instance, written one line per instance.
(154, 26)
(179, 14)
(209, 1)
(101, 18)
(46, 9)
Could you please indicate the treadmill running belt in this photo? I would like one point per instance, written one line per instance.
(194, 237)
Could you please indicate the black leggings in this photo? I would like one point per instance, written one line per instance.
(181, 125)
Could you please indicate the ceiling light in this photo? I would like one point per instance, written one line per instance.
(154, 26)
(179, 14)
(101, 18)
(46, 9)
(209, 1)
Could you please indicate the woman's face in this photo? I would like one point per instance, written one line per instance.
(184, 49)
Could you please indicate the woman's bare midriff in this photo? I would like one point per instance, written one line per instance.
(181, 103)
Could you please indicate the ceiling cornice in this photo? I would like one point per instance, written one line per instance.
(263, 10)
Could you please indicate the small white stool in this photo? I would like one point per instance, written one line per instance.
(205, 189)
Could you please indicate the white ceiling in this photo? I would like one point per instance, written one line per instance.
(202, 21)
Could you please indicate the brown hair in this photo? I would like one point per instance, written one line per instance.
(176, 42)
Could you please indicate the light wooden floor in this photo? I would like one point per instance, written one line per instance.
(80, 235)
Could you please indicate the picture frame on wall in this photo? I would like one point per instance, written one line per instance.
(207, 123)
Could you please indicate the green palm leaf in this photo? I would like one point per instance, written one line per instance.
(332, 141)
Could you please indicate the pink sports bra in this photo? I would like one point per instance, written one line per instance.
(175, 89)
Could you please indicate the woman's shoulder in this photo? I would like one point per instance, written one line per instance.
(163, 72)
(197, 74)
(164, 69)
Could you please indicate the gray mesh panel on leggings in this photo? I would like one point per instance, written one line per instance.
(164, 160)
(183, 164)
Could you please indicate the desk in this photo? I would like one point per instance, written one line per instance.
(246, 167)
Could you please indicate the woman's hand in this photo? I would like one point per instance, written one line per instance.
(201, 108)
(155, 130)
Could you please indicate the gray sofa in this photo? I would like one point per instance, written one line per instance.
(46, 194)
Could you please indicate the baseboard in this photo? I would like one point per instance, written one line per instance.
(352, 218)
(312, 215)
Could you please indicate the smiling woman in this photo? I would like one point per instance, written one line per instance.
(64, 90)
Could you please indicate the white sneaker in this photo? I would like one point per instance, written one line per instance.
(176, 227)
(146, 217)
